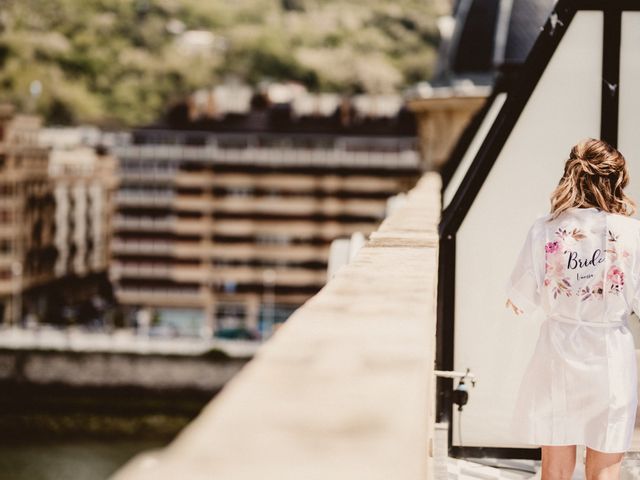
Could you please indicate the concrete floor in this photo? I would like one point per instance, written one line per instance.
(458, 469)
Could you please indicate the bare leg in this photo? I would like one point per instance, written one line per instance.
(558, 462)
(603, 466)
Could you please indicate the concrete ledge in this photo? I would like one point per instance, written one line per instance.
(113, 370)
(344, 389)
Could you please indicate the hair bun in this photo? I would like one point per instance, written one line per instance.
(587, 166)
(595, 174)
(582, 166)
(592, 159)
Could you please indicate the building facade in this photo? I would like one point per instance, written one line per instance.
(225, 223)
(84, 176)
(27, 226)
(84, 183)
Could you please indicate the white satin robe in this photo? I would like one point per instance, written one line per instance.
(580, 386)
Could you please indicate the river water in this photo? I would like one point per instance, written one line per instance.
(61, 433)
(68, 460)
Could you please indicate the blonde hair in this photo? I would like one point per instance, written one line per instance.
(595, 175)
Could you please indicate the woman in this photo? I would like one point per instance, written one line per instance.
(581, 265)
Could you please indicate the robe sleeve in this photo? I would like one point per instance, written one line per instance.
(522, 284)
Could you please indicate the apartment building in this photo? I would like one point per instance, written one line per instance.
(27, 250)
(84, 182)
(84, 177)
(224, 221)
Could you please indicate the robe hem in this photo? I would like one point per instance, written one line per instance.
(575, 444)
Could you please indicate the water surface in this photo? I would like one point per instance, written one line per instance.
(68, 459)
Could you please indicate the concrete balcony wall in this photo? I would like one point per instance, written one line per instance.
(301, 205)
(123, 222)
(200, 273)
(150, 175)
(344, 389)
(200, 226)
(197, 179)
(328, 230)
(272, 252)
(303, 183)
(284, 276)
(196, 203)
(174, 297)
(281, 298)
(135, 246)
(142, 200)
(405, 155)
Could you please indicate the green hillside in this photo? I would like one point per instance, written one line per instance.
(118, 62)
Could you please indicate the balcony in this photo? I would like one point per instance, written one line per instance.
(304, 183)
(169, 297)
(270, 252)
(193, 203)
(192, 249)
(303, 229)
(144, 199)
(149, 175)
(301, 205)
(144, 223)
(194, 179)
(190, 273)
(142, 247)
(119, 269)
(406, 155)
(177, 272)
(285, 276)
(191, 226)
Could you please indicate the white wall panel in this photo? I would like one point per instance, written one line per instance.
(629, 113)
(474, 146)
(494, 343)
(629, 109)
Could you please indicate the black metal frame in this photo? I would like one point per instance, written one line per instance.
(610, 75)
(453, 216)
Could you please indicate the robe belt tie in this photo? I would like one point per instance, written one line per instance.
(562, 318)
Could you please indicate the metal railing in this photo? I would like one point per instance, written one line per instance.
(405, 157)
